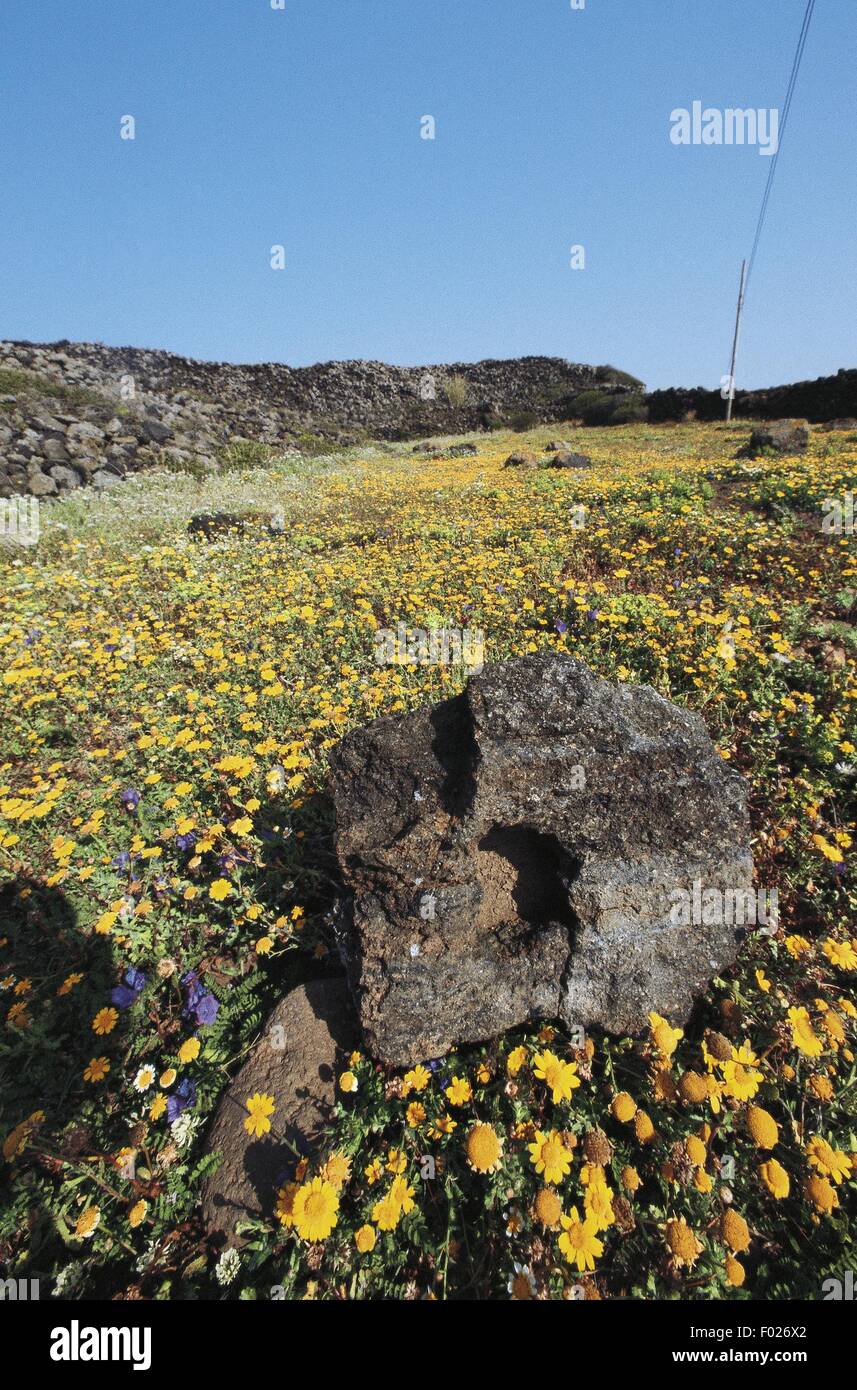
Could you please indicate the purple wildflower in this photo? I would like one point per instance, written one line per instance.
(183, 1097)
(124, 995)
(206, 1009)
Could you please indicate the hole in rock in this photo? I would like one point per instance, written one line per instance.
(524, 876)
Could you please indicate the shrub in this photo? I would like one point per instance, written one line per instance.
(17, 381)
(244, 453)
(456, 391)
(615, 377)
(593, 407)
(631, 411)
(607, 408)
(490, 421)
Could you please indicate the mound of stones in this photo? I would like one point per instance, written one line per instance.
(520, 852)
(48, 449)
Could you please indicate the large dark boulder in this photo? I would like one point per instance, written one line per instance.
(516, 852)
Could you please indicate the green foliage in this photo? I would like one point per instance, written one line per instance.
(523, 420)
(606, 408)
(16, 381)
(457, 390)
(616, 377)
(215, 679)
(242, 454)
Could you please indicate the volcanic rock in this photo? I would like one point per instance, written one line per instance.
(567, 458)
(781, 437)
(518, 852)
(295, 1061)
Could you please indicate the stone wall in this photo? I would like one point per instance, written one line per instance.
(73, 413)
(826, 398)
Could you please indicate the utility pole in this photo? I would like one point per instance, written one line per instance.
(738, 315)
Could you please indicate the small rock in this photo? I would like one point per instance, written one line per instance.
(521, 459)
(782, 437)
(82, 435)
(47, 424)
(40, 485)
(568, 459)
(155, 430)
(55, 450)
(296, 1062)
(65, 478)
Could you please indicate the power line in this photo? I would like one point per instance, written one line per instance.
(787, 106)
(747, 269)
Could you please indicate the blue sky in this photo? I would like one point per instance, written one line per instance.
(301, 127)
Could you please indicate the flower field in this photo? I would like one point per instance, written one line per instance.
(166, 874)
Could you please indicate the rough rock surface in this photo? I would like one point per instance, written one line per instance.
(296, 1063)
(515, 852)
(567, 458)
(783, 436)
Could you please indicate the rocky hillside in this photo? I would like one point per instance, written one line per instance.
(77, 413)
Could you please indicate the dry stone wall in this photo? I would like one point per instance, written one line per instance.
(84, 413)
